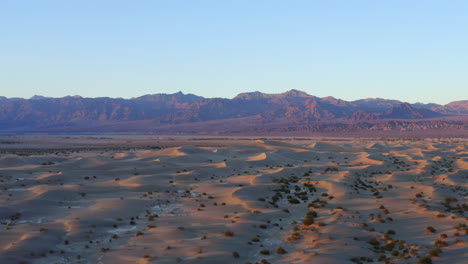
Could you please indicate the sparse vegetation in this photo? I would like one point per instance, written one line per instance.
(425, 260)
(281, 250)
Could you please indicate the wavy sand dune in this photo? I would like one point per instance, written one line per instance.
(329, 147)
(261, 202)
(261, 156)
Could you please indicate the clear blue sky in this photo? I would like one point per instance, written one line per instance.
(415, 51)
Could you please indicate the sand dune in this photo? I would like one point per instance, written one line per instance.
(264, 201)
(261, 156)
(329, 147)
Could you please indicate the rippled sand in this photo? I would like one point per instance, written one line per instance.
(238, 204)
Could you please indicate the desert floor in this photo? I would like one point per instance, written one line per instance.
(132, 200)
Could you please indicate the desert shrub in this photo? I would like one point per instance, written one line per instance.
(440, 243)
(265, 252)
(235, 254)
(425, 260)
(390, 232)
(389, 246)
(281, 250)
(293, 201)
(435, 252)
(294, 236)
(308, 221)
(430, 229)
(228, 234)
(374, 242)
(311, 214)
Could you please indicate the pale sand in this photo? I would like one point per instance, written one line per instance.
(176, 204)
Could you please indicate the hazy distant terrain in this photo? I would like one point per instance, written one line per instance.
(290, 113)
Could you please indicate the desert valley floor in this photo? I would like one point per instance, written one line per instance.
(233, 201)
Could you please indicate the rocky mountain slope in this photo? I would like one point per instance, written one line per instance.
(246, 113)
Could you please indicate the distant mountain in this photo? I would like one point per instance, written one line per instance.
(170, 99)
(376, 105)
(361, 115)
(248, 113)
(457, 107)
(67, 111)
(39, 97)
(406, 111)
(5, 99)
(291, 95)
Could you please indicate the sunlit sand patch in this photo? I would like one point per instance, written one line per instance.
(38, 190)
(120, 155)
(365, 160)
(278, 145)
(216, 165)
(69, 226)
(376, 146)
(261, 156)
(328, 147)
(272, 171)
(462, 164)
(12, 244)
(170, 152)
(48, 174)
(242, 179)
(131, 182)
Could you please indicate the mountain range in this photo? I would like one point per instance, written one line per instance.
(293, 113)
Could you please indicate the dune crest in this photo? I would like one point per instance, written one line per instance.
(261, 156)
